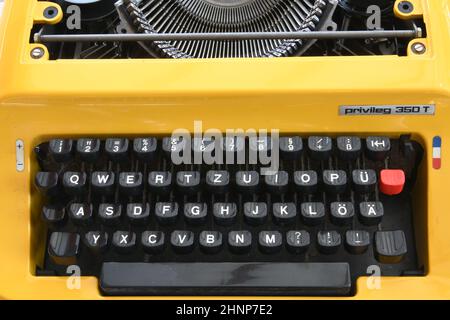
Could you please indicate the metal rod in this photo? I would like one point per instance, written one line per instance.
(43, 38)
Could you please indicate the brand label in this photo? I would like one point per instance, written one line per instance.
(377, 110)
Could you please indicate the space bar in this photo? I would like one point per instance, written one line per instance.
(225, 278)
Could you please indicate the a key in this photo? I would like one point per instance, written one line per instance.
(53, 215)
(298, 241)
(88, 149)
(390, 246)
(247, 181)
(80, 213)
(145, 148)
(47, 183)
(240, 241)
(182, 241)
(63, 247)
(117, 149)
(74, 183)
(138, 213)
(218, 181)
(188, 182)
(320, 147)
(96, 241)
(166, 212)
(335, 181)
(255, 213)
(131, 183)
(371, 213)
(392, 181)
(60, 149)
(210, 241)
(124, 241)
(291, 147)
(270, 241)
(364, 181)
(305, 181)
(349, 148)
(313, 213)
(357, 241)
(378, 147)
(195, 213)
(342, 213)
(160, 182)
(109, 213)
(284, 213)
(328, 241)
(103, 182)
(277, 183)
(153, 242)
(224, 213)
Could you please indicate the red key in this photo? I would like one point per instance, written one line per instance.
(392, 181)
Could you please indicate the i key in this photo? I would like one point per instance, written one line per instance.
(116, 149)
(277, 183)
(60, 149)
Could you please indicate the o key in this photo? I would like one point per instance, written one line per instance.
(392, 181)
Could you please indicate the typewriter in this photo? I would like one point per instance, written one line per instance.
(199, 148)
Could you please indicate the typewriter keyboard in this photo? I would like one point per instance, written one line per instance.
(123, 210)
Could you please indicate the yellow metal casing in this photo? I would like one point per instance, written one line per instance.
(40, 99)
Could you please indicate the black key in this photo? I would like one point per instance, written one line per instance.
(188, 182)
(328, 241)
(80, 213)
(88, 149)
(47, 183)
(224, 213)
(291, 147)
(204, 150)
(270, 241)
(138, 213)
(371, 213)
(364, 181)
(145, 148)
(313, 213)
(217, 181)
(63, 247)
(277, 183)
(53, 215)
(349, 148)
(255, 213)
(357, 241)
(109, 213)
(233, 145)
(342, 213)
(225, 278)
(124, 241)
(153, 241)
(182, 241)
(320, 147)
(335, 181)
(305, 181)
(131, 183)
(96, 241)
(284, 213)
(102, 182)
(74, 183)
(160, 182)
(260, 145)
(174, 144)
(117, 149)
(390, 246)
(60, 149)
(378, 147)
(247, 181)
(195, 213)
(298, 241)
(166, 212)
(210, 241)
(239, 241)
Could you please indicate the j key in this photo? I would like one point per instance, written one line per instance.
(63, 247)
(335, 181)
(188, 182)
(60, 149)
(53, 215)
(297, 241)
(124, 241)
(320, 147)
(138, 213)
(328, 241)
(378, 147)
(174, 144)
(291, 147)
(305, 181)
(210, 241)
(371, 213)
(364, 181)
(217, 181)
(255, 213)
(160, 182)
(284, 213)
(96, 241)
(102, 182)
(277, 183)
(342, 213)
(117, 149)
(240, 241)
(80, 213)
(270, 241)
(224, 213)
(390, 246)
(247, 181)
(313, 213)
(47, 182)
(109, 213)
(166, 212)
(349, 148)
(153, 242)
(356, 241)
(182, 241)
(74, 183)
(145, 148)
(88, 149)
(130, 183)
(195, 213)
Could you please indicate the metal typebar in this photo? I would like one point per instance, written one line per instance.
(131, 37)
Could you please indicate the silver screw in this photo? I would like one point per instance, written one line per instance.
(37, 53)
(419, 48)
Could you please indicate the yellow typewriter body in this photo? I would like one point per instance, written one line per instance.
(40, 99)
